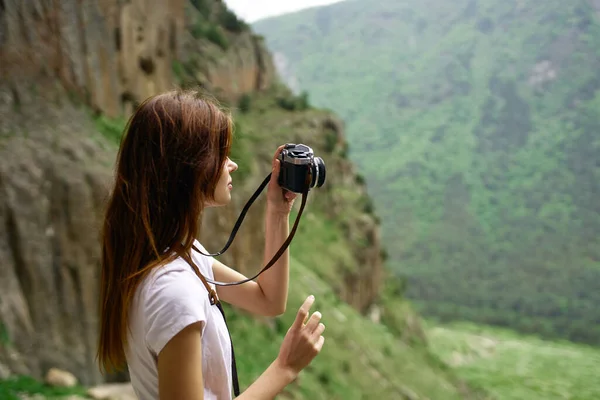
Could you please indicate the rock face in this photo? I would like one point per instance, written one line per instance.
(53, 179)
(115, 53)
(244, 67)
(55, 169)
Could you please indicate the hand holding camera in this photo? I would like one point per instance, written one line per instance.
(300, 168)
(294, 168)
(279, 200)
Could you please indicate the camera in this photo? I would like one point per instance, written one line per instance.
(297, 160)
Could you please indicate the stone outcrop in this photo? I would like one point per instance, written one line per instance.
(59, 378)
(55, 169)
(115, 53)
(244, 67)
(53, 180)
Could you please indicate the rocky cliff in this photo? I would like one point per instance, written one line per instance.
(63, 65)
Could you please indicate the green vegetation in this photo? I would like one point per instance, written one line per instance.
(244, 103)
(110, 128)
(203, 6)
(241, 154)
(210, 31)
(213, 27)
(516, 367)
(475, 125)
(357, 352)
(13, 387)
(356, 355)
(326, 251)
(225, 16)
(230, 21)
(215, 35)
(293, 103)
(4, 335)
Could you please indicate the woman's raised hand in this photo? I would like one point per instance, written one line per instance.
(303, 340)
(279, 200)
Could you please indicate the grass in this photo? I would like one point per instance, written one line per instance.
(317, 236)
(469, 162)
(110, 128)
(360, 359)
(513, 366)
(14, 388)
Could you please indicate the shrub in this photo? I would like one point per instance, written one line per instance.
(302, 101)
(178, 70)
(294, 103)
(331, 140)
(212, 32)
(368, 207)
(230, 21)
(287, 103)
(384, 256)
(344, 151)
(198, 29)
(359, 179)
(244, 103)
(202, 6)
(215, 35)
(110, 128)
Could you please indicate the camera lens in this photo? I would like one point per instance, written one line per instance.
(319, 172)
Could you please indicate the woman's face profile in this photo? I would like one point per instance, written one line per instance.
(224, 186)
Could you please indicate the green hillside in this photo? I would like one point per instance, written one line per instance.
(361, 359)
(477, 127)
(516, 367)
(357, 352)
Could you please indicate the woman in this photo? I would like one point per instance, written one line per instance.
(157, 316)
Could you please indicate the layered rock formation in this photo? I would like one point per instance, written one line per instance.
(55, 169)
(53, 180)
(115, 53)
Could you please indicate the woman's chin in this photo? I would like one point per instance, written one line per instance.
(220, 202)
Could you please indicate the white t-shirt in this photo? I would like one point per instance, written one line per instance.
(169, 299)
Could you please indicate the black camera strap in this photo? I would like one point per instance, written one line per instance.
(234, 373)
(238, 223)
(214, 300)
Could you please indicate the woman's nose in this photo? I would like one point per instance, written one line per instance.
(232, 166)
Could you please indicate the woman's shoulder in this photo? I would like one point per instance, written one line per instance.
(174, 287)
(177, 268)
(203, 262)
(173, 298)
(177, 277)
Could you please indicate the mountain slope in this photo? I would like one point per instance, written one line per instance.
(475, 124)
(64, 96)
(515, 367)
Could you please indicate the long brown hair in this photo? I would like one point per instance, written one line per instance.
(172, 154)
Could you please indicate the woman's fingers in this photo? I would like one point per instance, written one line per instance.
(289, 196)
(318, 330)
(319, 344)
(313, 322)
(277, 153)
(303, 312)
(303, 340)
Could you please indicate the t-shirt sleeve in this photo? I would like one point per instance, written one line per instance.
(174, 301)
(205, 262)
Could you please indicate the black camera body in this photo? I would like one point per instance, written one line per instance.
(297, 161)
